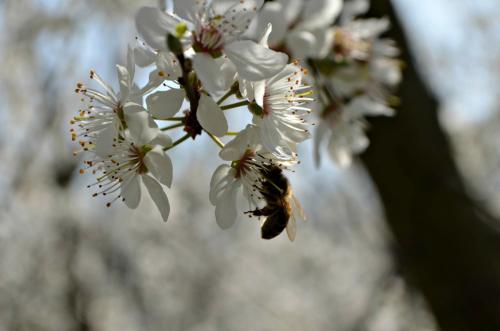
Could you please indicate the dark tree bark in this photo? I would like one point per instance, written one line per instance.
(444, 243)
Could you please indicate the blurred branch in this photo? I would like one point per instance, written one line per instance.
(444, 244)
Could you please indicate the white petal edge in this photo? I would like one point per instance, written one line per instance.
(141, 127)
(105, 140)
(165, 104)
(219, 174)
(226, 210)
(131, 191)
(158, 195)
(320, 13)
(216, 75)
(211, 117)
(153, 25)
(253, 61)
(160, 165)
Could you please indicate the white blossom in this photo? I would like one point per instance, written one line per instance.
(103, 119)
(304, 27)
(247, 157)
(212, 30)
(362, 72)
(202, 55)
(136, 156)
(279, 104)
(166, 64)
(281, 111)
(343, 128)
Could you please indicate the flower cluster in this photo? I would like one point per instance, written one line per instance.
(208, 57)
(354, 68)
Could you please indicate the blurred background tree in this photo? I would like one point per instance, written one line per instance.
(68, 263)
(445, 242)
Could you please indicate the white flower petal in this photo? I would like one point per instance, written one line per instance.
(363, 105)
(352, 9)
(259, 92)
(220, 174)
(188, 9)
(211, 117)
(237, 18)
(226, 210)
(133, 107)
(141, 127)
(143, 54)
(315, 43)
(246, 139)
(105, 140)
(168, 65)
(125, 81)
(264, 38)
(158, 195)
(165, 104)
(322, 43)
(216, 75)
(162, 139)
(301, 43)
(320, 13)
(271, 14)
(131, 191)
(131, 62)
(153, 25)
(271, 137)
(246, 88)
(253, 61)
(222, 6)
(291, 9)
(369, 28)
(160, 165)
(227, 73)
(156, 78)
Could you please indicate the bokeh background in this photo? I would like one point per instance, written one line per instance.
(69, 263)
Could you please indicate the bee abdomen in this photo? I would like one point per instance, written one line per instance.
(274, 224)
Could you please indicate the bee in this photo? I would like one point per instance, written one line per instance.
(281, 204)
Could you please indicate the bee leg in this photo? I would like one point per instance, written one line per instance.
(256, 212)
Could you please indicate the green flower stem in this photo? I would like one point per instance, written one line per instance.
(216, 140)
(225, 96)
(235, 105)
(177, 142)
(231, 133)
(174, 119)
(171, 127)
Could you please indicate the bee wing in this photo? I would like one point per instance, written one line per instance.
(291, 228)
(297, 210)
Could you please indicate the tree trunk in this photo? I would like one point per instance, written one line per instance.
(444, 244)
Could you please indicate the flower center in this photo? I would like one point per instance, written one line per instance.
(259, 111)
(346, 45)
(137, 155)
(242, 164)
(208, 39)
